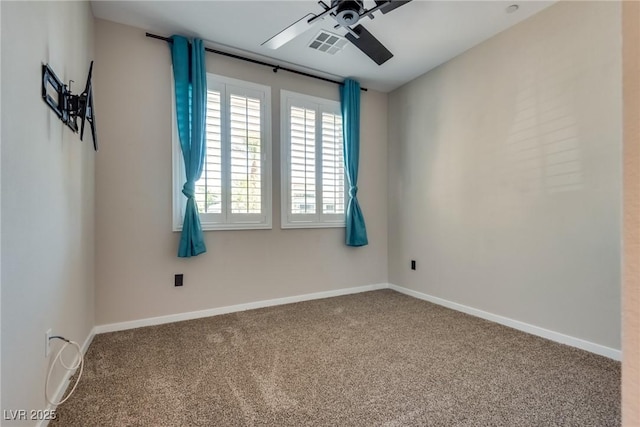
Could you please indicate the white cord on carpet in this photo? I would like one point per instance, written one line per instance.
(78, 364)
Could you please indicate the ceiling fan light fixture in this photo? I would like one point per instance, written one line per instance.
(348, 12)
(347, 18)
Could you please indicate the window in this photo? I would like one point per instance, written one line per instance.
(313, 178)
(234, 190)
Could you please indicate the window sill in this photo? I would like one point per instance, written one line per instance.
(312, 225)
(230, 227)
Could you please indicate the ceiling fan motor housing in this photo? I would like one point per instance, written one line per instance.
(348, 12)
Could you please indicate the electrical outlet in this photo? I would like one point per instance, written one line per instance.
(177, 280)
(47, 343)
(413, 264)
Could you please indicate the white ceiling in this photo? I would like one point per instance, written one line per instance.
(421, 34)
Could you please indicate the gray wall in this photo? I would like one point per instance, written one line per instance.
(505, 175)
(135, 247)
(47, 197)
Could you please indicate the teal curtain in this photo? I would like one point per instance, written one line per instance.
(350, 106)
(190, 80)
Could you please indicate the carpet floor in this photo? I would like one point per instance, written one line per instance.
(372, 359)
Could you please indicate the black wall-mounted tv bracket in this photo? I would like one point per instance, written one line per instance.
(67, 106)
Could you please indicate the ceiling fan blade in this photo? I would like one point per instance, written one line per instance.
(390, 5)
(289, 33)
(369, 45)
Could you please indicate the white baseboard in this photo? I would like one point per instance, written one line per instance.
(516, 324)
(64, 384)
(112, 327)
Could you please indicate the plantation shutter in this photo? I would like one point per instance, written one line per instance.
(303, 160)
(245, 164)
(313, 177)
(209, 186)
(332, 165)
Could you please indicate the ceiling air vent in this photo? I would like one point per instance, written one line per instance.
(328, 42)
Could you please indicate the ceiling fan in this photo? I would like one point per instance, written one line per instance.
(347, 13)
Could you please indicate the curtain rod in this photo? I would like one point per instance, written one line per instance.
(255, 61)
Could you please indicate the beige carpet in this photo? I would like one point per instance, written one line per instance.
(373, 359)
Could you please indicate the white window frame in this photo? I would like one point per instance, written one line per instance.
(228, 220)
(319, 219)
